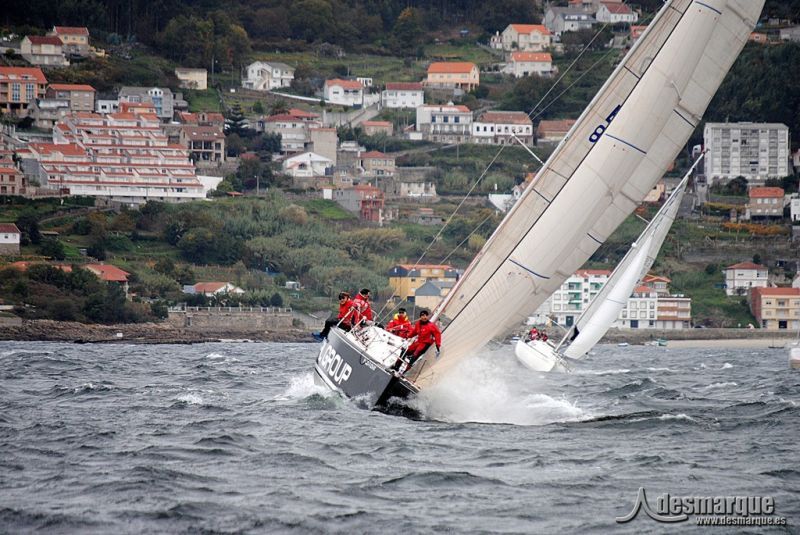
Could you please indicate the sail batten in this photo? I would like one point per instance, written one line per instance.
(612, 157)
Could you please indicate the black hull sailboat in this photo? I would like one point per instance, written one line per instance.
(357, 364)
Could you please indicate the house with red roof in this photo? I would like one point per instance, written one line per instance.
(109, 274)
(210, 289)
(502, 128)
(553, 131)
(19, 88)
(444, 123)
(79, 96)
(776, 309)
(374, 128)
(741, 277)
(403, 95)
(75, 39)
(461, 75)
(765, 203)
(9, 238)
(43, 50)
(522, 64)
(343, 92)
(525, 37)
(616, 13)
(12, 182)
(376, 163)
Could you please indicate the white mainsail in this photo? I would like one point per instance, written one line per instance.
(619, 147)
(612, 298)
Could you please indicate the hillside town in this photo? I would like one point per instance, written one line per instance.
(389, 150)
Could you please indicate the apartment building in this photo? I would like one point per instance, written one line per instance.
(756, 151)
(19, 88)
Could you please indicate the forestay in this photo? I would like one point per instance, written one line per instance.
(612, 298)
(619, 147)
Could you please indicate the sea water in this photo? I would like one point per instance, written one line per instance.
(237, 438)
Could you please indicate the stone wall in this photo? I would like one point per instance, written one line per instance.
(231, 319)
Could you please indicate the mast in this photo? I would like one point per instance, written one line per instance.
(619, 147)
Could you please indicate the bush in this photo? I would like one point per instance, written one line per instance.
(276, 300)
(52, 248)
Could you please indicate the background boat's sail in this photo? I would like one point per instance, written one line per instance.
(619, 147)
(611, 299)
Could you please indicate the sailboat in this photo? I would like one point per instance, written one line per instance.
(612, 157)
(794, 352)
(543, 356)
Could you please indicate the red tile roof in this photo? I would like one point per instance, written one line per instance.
(643, 290)
(530, 28)
(747, 265)
(766, 192)
(9, 228)
(22, 73)
(404, 86)
(44, 40)
(451, 67)
(376, 123)
(107, 272)
(71, 30)
(67, 149)
(8, 170)
(345, 84)
(617, 8)
(450, 107)
(425, 266)
(558, 125)
(281, 118)
(297, 112)
(506, 117)
(373, 154)
(776, 292)
(71, 87)
(209, 286)
(532, 57)
(655, 278)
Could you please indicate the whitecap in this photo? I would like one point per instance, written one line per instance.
(302, 387)
(720, 385)
(680, 416)
(727, 366)
(190, 399)
(604, 372)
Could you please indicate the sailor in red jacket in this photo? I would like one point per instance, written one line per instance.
(400, 324)
(427, 334)
(362, 306)
(345, 318)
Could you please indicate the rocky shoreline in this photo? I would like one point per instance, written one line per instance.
(137, 333)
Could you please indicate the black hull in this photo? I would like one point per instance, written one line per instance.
(346, 368)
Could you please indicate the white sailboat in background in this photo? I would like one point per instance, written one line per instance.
(604, 309)
(620, 146)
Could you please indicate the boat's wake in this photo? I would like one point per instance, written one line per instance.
(487, 391)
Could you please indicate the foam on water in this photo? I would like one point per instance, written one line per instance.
(720, 385)
(190, 398)
(302, 387)
(727, 366)
(479, 391)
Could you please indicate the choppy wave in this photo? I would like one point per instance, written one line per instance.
(238, 438)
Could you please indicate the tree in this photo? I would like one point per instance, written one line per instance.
(236, 122)
(276, 300)
(407, 30)
(52, 248)
(258, 107)
(28, 225)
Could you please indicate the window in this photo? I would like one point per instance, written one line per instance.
(15, 92)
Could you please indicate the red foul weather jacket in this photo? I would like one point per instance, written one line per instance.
(426, 334)
(363, 309)
(347, 313)
(400, 325)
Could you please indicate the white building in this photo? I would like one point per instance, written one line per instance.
(739, 278)
(263, 76)
(567, 19)
(196, 79)
(525, 37)
(307, 165)
(9, 239)
(527, 63)
(344, 92)
(616, 13)
(794, 210)
(446, 123)
(501, 128)
(403, 95)
(756, 151)
(650, 306)
(124, 157)
(294, 128)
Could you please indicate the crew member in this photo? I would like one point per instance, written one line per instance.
(533, 334)
(400, 324)
(427, 334)
(362, 306)
(344, 319)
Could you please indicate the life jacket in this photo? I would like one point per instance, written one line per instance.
(400, 325)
